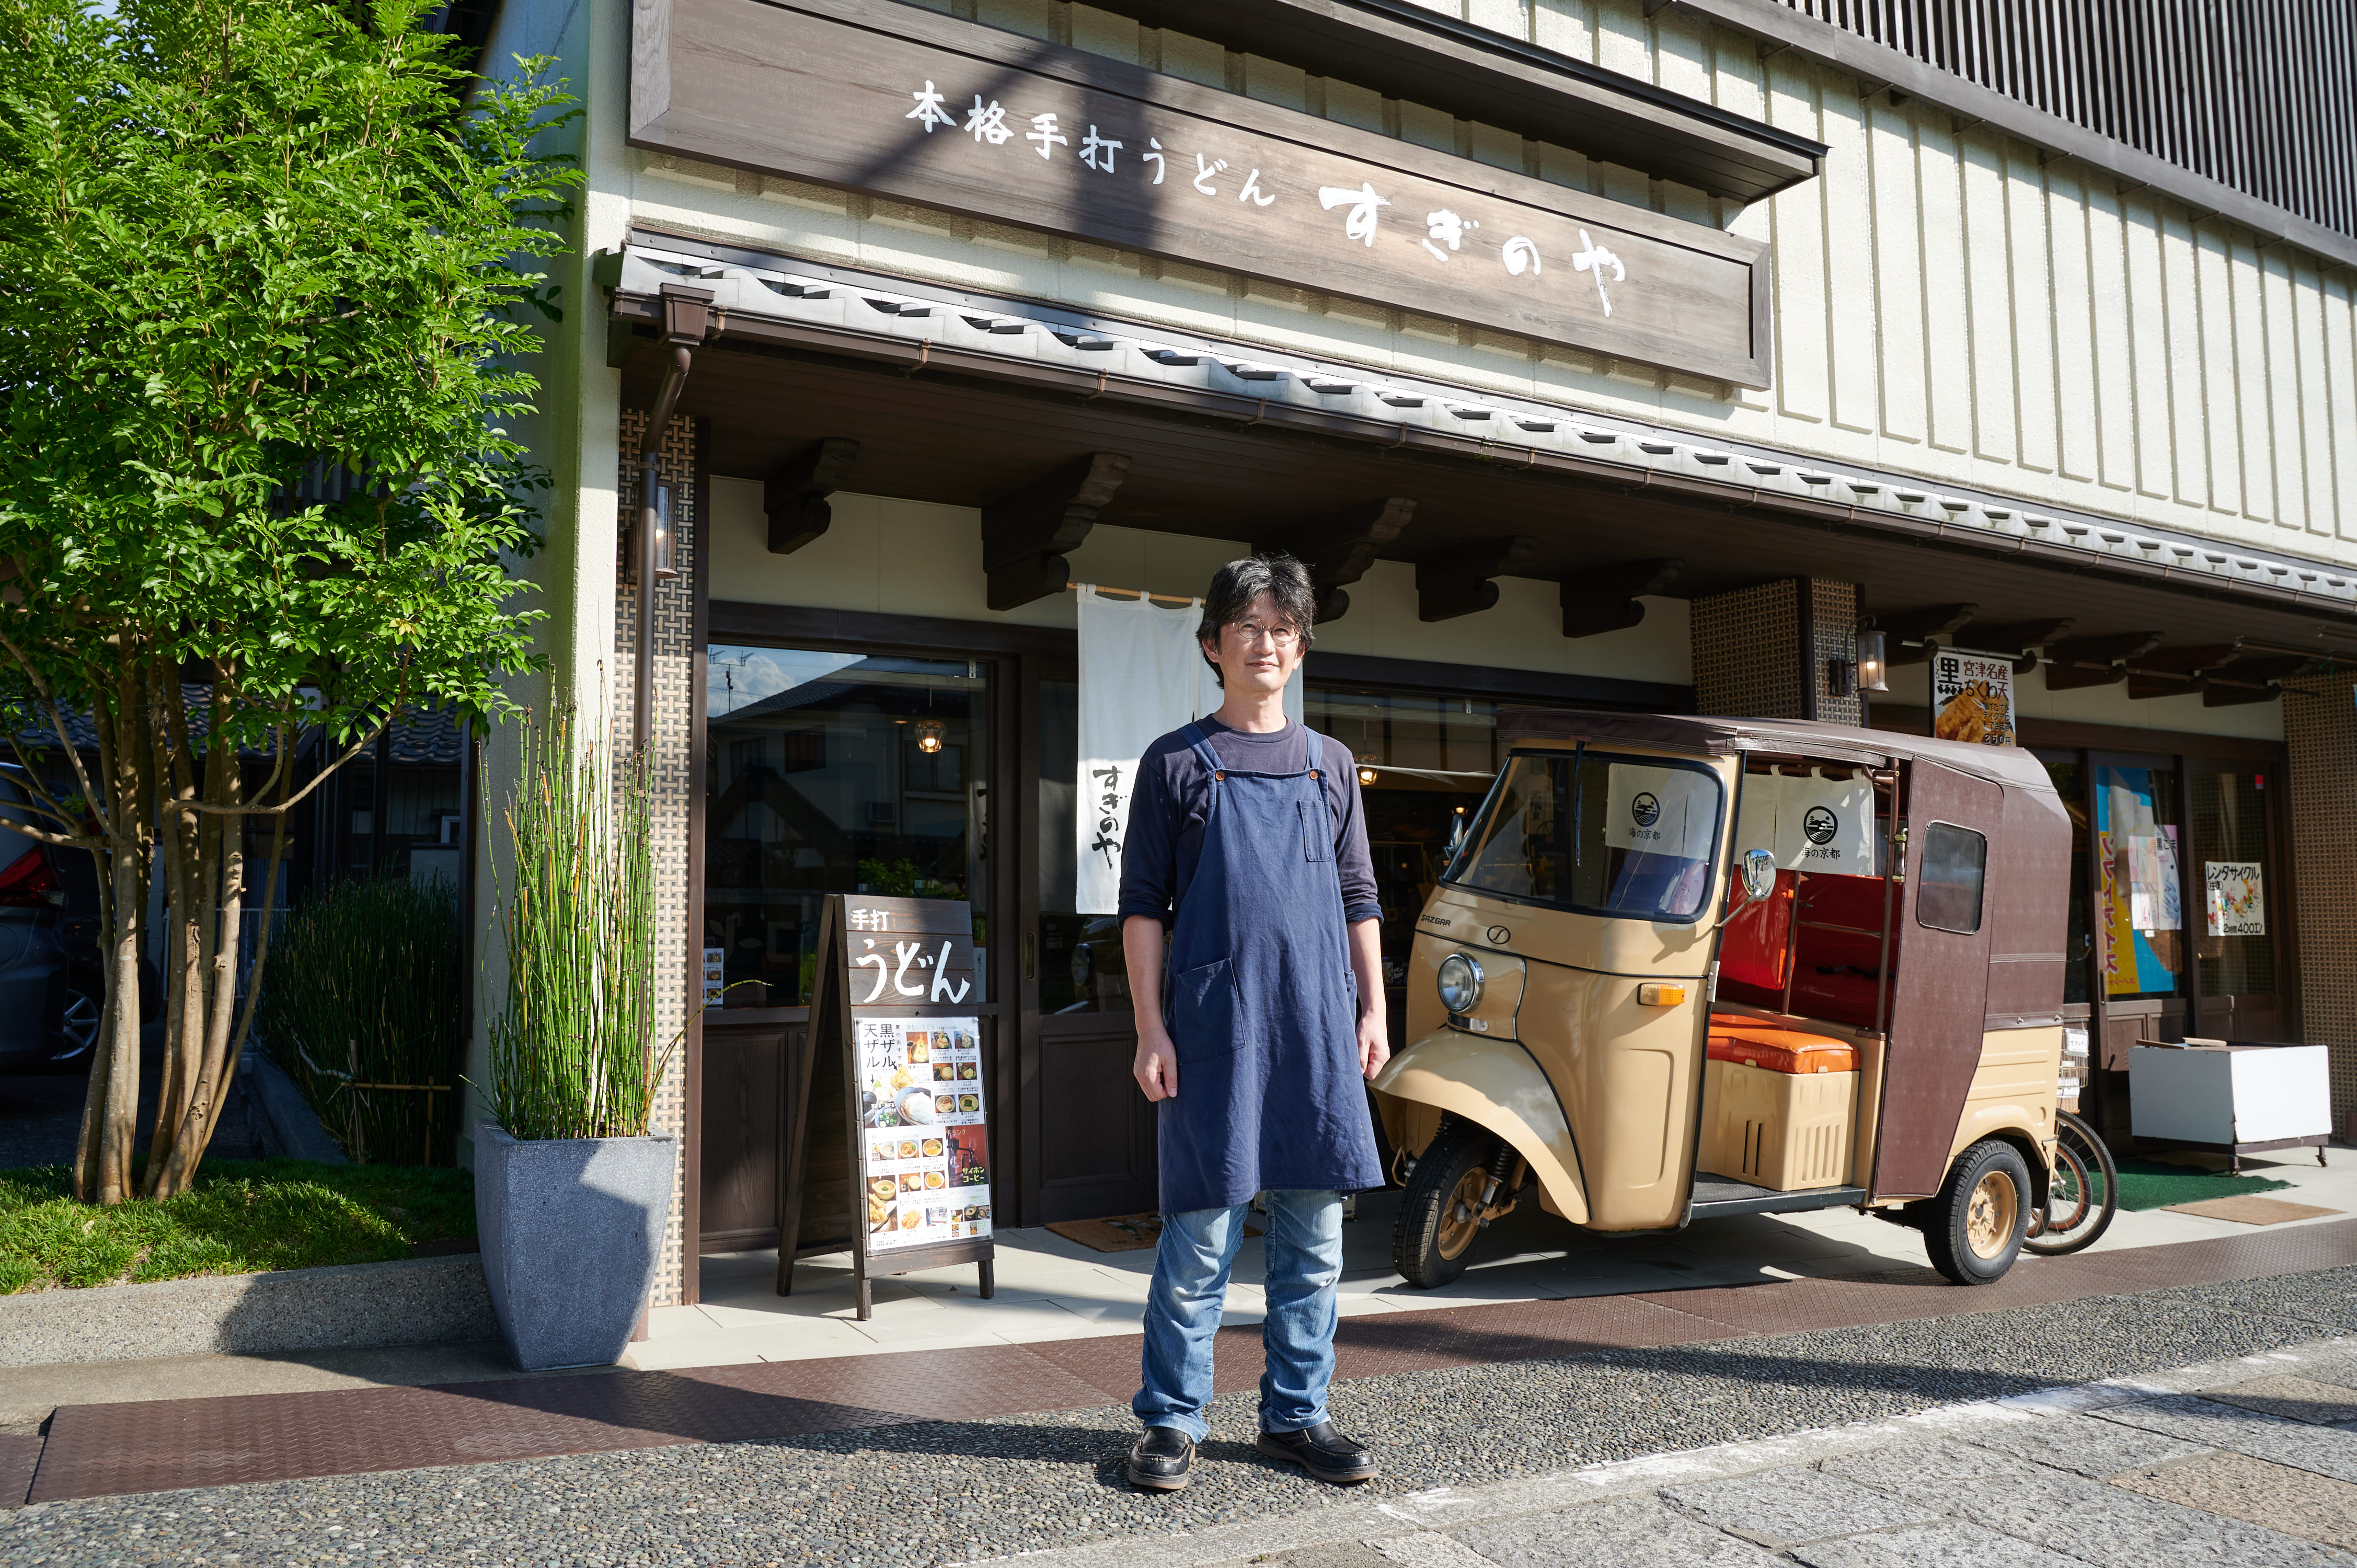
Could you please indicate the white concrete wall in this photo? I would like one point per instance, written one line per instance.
(573, 435)
(1944, 307)
(931, 557)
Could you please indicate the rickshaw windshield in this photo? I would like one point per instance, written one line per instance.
(1636, 837)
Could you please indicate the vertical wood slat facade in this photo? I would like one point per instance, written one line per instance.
(2085, 354)
(2256, 94)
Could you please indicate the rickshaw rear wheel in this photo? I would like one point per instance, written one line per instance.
(1972, 1229)
(1440, 1214)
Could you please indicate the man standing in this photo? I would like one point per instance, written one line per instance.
(1245, 838)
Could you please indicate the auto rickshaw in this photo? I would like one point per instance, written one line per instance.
(1679, 968)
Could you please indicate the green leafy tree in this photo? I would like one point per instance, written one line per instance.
(260, 265)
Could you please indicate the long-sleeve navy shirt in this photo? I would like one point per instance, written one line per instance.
(1164, 839)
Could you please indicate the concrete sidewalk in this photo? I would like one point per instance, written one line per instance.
(1050, 1288)
(2251, 1462)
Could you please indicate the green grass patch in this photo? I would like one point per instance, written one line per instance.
(2149, 1184)
(242, 1217)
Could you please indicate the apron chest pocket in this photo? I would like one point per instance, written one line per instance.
(1317, 830)
(1203, 1012)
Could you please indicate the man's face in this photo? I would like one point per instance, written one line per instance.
(1259, 653)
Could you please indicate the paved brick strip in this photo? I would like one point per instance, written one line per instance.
(103, 1450)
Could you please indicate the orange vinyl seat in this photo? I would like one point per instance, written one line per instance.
(1735, 1038)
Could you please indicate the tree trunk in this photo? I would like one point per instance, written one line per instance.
(213, 917)
(109, 1111)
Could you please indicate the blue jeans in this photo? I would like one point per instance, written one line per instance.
(1191, 1285)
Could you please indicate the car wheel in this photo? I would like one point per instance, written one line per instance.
(1440, 1213)
(78, 1026)
(1973, 1228)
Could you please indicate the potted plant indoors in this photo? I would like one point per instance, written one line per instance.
(570, 1188)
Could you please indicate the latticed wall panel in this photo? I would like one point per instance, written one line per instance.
(675, 653)
(1746, 652)
(1833, 638)
(2319, 716)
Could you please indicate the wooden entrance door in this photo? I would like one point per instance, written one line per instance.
(1092, 1151)
(1940, 993)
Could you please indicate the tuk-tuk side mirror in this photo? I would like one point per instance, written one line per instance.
(1759, 876)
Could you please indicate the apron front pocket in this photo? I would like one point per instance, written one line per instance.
(1317, 829)
(1203, 1012)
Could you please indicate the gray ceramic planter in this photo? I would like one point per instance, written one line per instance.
(571, 1231)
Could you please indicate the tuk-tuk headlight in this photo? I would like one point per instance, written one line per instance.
(1461, 983)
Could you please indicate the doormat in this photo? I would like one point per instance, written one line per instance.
(2251, 1210)
(1121, 1233)
(2149, 1184)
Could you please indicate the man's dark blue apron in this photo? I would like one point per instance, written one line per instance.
(1261, 1005)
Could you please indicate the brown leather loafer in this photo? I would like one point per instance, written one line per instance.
(1324, 1452)
(1161, 1460)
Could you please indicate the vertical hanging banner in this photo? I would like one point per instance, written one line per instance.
(1972, 697)
(1143, 674)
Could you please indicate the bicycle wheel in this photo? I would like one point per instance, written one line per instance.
(2084, 1195)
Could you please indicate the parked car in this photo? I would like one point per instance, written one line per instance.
(52, 987)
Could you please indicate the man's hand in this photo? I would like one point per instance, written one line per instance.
(1374, 1043)
(1156, 1068)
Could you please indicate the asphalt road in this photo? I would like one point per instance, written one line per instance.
(933, 1493)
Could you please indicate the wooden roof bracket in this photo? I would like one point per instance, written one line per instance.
(1461, 584)
(794, 496)
(1339, 550)
(1025, 534)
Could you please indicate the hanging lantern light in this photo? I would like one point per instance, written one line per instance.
(929, 736)
(1873, 664)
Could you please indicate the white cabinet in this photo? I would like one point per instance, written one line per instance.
(2235, 1099)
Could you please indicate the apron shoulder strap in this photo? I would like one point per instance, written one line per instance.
(1201, 745)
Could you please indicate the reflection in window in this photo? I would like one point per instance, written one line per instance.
(1949, 895)
(834, 773)
(2070, 777)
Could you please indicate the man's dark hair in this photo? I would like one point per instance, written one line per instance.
(1235, 585)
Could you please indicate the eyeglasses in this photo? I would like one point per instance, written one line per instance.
(1283, 634)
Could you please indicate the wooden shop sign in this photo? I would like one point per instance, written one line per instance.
(951, 114)
(888, 1153)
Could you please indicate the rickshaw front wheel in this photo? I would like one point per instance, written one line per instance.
(1974, 1229)
(1440, 1213)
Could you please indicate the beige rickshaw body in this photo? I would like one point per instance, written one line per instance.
(1603, 1091)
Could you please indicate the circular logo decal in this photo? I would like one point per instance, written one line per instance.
(1499, 936)
(1820, 824)
(1645, 809)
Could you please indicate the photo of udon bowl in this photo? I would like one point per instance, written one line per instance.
(916, 1105)
(968, 1069)
(969, 1102)
(946, 1104)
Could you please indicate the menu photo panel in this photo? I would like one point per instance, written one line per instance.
(924, 1148)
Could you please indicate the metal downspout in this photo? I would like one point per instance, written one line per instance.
(686, 312)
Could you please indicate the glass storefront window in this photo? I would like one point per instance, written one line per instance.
(834, 773)
(2140, 907)
(1424, 764)
(2070, 777)
(2235, 953)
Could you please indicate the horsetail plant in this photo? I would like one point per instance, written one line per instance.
(572, 1051)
